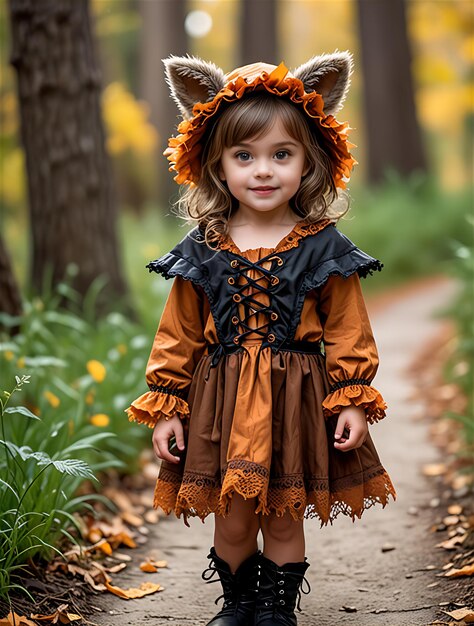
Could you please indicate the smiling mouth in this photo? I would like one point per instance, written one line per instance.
(263, 190)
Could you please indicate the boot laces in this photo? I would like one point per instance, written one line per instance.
(208, 575)
(277, 589)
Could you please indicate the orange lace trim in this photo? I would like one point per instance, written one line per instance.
(292, 240)
(184, 151)
(363, 396)
(151, 406)
(199, 495)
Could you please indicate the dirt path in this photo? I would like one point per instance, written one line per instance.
(348, 567)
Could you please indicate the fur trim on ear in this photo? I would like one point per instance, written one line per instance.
(192, 80)
(329, 75)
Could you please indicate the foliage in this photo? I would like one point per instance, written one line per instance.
(460, 368)
(85, 373)
(36, 488)
(408, 224)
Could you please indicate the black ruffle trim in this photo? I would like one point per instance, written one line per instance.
(348, 383)
(172, 392)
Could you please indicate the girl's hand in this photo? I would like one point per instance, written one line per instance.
(165, 429)
(353, 419)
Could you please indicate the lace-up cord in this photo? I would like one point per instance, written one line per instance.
(247, 299)
(228, 599)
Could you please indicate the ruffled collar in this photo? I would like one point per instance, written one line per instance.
(291, 240)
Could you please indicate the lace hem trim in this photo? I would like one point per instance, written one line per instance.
(153, 405)
(198, 495)
(300, 230)
(364, 396)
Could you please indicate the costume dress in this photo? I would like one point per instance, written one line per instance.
(257, 351)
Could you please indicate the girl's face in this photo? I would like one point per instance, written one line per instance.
(263, 173)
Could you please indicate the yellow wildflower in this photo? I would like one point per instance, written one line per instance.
(100, 419)
(122, 348)
(53, 400)
(97, 370)
(8, 355)
(21, 362)
(90, 398)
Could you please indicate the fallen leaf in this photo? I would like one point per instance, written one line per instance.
(434, 469)
(455, 509)
(12, 619)
(147, 566)
(450, 544)
(127, 594)
(468, 570)
(451, 520)
(61, 615)
(150, 565)
(466, 614)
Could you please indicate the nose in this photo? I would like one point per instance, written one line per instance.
(263, 168)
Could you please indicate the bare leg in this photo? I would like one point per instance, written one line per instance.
(235, 536)
(283, 539)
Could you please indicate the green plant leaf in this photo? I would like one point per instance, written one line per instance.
(22, 410)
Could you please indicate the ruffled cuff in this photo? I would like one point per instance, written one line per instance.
(361, 395)
(153, 405)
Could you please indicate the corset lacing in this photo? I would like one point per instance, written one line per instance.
(245, 296)
(244, 299)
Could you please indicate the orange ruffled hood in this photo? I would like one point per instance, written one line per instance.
(184, 151)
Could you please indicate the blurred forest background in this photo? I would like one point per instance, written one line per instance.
(85, 200)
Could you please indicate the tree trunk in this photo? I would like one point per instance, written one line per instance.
(162, 33)
(258, 33)
(10, 300)
(71, 195)
(393, 133)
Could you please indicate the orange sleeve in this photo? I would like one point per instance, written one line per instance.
(178, 345)
(351, 353)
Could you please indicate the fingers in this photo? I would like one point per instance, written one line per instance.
(354, 440)
(161, 440)
(349, 434)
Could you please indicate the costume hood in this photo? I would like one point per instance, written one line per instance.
(201, 89)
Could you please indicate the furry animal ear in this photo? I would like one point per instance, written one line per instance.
(192, 80)
(329, 75)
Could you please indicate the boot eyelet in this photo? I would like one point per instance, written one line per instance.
(281, 592)
(281, 582)
(282, 602)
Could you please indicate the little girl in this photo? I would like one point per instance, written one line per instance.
(260, 373)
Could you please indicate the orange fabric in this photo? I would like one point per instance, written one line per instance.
(184, 151)
(336, 312)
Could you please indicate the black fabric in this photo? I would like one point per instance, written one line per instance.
(298, 270)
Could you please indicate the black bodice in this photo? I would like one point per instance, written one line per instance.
(225, 278)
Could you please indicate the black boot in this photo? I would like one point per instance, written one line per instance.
(240, 590)
(279, 589)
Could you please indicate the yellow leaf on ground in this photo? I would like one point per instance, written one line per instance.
(104, 546)
(462, 614)
(12, 619)
(147, 566)
(127, 594)
(468, 570)
(150, 565)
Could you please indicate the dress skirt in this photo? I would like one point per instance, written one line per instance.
(269, 441)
